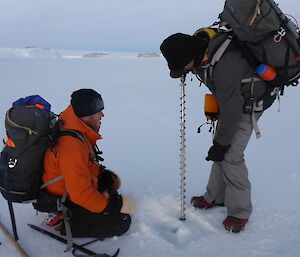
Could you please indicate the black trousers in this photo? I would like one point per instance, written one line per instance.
(100, 225)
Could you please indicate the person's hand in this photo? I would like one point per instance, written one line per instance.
(114, 203)
(108, 180)
(116, 181)
(217, 152)
(128, 204)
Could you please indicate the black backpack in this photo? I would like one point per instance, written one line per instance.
(30, 131)
(267, 37)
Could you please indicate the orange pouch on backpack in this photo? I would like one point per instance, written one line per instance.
(211, 108)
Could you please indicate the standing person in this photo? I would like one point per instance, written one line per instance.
(96, 209)
(230, 81)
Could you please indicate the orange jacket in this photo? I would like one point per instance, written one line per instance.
(71, 158)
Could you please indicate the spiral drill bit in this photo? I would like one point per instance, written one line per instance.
(182, 149)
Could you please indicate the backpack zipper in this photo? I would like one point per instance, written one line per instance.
(257, 12)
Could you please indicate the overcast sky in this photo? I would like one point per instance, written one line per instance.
(107, 25)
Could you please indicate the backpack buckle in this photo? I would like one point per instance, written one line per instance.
(280, 33)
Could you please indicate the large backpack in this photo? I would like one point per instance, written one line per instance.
(266, 35)
(29, 125)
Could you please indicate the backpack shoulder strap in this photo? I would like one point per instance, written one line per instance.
(72, 133)
(77, 134)
(65, 132)
(219, 53)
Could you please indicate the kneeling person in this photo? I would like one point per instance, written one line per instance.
(96, 209)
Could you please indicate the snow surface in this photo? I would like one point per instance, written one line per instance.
(141, 143)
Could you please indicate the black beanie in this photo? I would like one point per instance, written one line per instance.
(86, 102)
(179, 49)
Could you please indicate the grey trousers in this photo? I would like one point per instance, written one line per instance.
(228, 182)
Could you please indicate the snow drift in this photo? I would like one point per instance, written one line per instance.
(30, 52)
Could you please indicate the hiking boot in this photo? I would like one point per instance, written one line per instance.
(233, 224)
(54, 220)
(200, 202)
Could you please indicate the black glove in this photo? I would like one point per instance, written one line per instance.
(217, 152)
(114, 204)
(108, 180)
